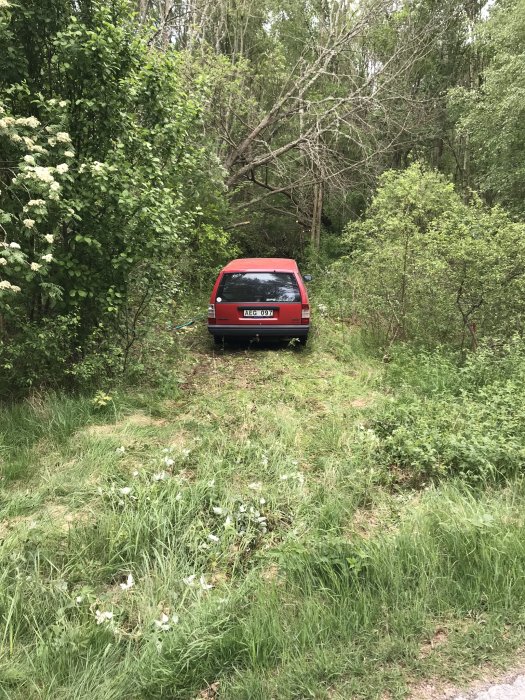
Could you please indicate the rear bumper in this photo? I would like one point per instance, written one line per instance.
(262, 331)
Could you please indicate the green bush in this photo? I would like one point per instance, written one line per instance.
(451, 420)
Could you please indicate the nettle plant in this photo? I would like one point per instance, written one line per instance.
(34, 166)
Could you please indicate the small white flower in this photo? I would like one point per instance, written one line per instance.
(63, 137)
(55, 187)
(211, 483)
(104, 616)
(62, 168)
(3, 261)
(14, 288)
(178, 496)
(135, 472)
(186, 452)
(49, 237)
(28, 223)
(160, 476)
(120, 450)
(264, 461)
(163, 623)
(262, 501)
(168, 461)
(242, 509)
(213, 538)
(189, 580)
(79, 599)
(125, 490)
(47, 257)
(69, 154)
(62, 103)
(14, 245)
(283, 477)
(255, 486)
(129, 583)
(36, 203)
(217, 510)
(228, 522)
(35, 266)
(205, 586)
(30, 159)
(4, 284)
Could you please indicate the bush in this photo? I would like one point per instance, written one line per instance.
(426, 267)
(450, 420)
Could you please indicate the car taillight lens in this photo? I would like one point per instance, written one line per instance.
(305, 314)
(211, 311)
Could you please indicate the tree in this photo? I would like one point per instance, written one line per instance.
(427, 267)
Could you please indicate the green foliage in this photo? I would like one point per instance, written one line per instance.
(447, 420)
(492, 117)
(428, 267)
(136, 192)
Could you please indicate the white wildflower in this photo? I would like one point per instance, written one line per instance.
(228, 522)
(36, 203)
(168, 461)
(211, 483)
(69, 154)
(205, 586)
(48, 257)
(178, 496)
(15, 289)
(14, 245)
(262, 501)
(128, 584)
(49, 237)
(120, 450)
(62, 168)
(163, 623)
(104, 616)
(26, 121)
(242, 509)
(160, 476)
(255, 486)
(28, 223)
(35, 266)
(217, 510)
(189, 580)
(43, 174)
(30, 160)
(55, 187)
(52, 141)
(63, 137)
(213, 538)
(4, 284)
(3, 261)
(264, 461)
(135, 472)
(79, 599)
(62, 103)
(283, 477)
(125, 490)
(82, 168)
(186, 452)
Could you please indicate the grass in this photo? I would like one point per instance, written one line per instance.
(327, 580)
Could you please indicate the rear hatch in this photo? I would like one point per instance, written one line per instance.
(258, 298)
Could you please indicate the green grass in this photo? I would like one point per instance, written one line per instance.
(329, 580)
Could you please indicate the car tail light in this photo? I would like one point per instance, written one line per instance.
(211, 313)
(305, 314)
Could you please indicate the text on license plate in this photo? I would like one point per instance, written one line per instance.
(258, 313)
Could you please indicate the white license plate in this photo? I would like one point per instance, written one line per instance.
(258, 313)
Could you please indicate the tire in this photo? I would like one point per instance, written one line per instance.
(218, 340)
(303, 340)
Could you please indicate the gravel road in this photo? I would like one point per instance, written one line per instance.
(503, 691)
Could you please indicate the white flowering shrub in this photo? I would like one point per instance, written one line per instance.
(33, 170)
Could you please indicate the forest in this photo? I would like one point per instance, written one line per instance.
(178, 520)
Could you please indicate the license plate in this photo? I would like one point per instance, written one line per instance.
(258, 313)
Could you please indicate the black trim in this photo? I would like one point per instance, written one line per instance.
(252, 330)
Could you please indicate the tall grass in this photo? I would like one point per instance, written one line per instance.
(319, 579)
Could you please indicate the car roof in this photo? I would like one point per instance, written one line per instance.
(263, 264)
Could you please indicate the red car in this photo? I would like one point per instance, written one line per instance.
(259, 297)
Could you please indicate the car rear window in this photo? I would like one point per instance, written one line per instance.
(258, 286)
